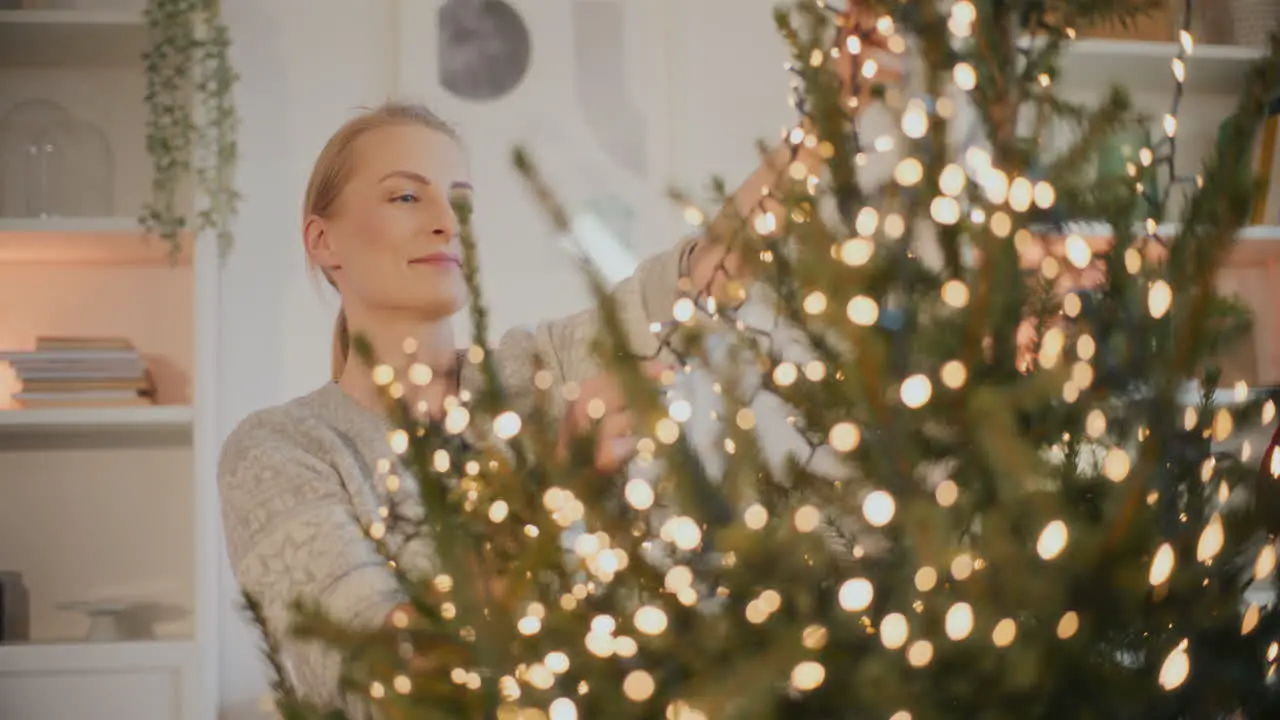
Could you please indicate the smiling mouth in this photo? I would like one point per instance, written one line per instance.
(436, 260)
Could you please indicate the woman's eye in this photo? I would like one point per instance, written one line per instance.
(406, 197)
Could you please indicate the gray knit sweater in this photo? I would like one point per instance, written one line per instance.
(302, 482)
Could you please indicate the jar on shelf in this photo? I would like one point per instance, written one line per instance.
(1254, 21)
(37, 140)
(1210, 24)
(15, 611)
(1156, 26)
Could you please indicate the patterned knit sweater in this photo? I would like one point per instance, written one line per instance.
(301, 482)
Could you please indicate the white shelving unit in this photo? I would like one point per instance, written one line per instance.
(107, 503)
(105, 241)
(82, 657)
(1250, 234)
(1216, 75)
(79, 420)
(1215, 69)
(70, 38)
(116, 680)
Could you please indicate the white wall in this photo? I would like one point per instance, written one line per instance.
(306, 64)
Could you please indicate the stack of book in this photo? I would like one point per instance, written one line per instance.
(81, 372)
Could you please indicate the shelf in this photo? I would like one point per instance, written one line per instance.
(1142, 66)
(42, 38)
(1192, 392)
(1253, 243)
(71, 657)
(45, 421)
(94, 241)
(1250, 233)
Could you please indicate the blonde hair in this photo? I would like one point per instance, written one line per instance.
(332, 172)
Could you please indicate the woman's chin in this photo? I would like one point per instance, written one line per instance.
(442, 308)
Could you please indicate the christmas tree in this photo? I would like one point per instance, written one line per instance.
(1003, 500)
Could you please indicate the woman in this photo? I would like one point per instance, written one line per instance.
(302, 483)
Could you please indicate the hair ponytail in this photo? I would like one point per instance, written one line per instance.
(341, 344)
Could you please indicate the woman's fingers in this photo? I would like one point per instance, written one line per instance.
(715, 264)
(601, 406)
(862, 22)
(617, 424)
(612, 453)
(603, 395)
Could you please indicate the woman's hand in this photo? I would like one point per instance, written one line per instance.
(861, 21)
(1075, 264)
(601, 405)
(715, 264)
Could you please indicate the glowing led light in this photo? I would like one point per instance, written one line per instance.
(1053, 540)
(916, 391)
(879, 508)
(1161, 565)
(1176, 667)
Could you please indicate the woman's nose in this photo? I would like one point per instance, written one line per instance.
(447, 225)
(444, 218)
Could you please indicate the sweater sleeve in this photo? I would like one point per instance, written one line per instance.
(644, 298)
(292, 533)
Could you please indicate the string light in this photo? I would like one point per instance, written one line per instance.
(815, 303)
(863, 311)
(1004, 633)
(756, 516)
(909, 172)
(1159, 299)
(894, 631)
(959, 621)
(857, 251)
(926, 578)
(960, 21)
(951, 180)
(1211, 540)
(945, 210)
(879, 507)
(947, 493)
(1176, 667)
(1161, 565)
(808, 675)
(920, 653)
(916, 391)
(915, 121)
(1053, 540)
(506, 425)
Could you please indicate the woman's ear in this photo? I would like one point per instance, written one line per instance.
(315, 236)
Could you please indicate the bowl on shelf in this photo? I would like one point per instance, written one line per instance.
(120, 620)
(104, 618)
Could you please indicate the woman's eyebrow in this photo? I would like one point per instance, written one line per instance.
(420, 178)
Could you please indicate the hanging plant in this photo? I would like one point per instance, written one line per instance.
(191, 123)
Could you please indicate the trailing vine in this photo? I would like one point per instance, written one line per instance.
(191, 123)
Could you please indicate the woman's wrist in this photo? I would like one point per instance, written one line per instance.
(715, 268)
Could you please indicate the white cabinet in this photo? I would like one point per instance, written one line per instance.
(124, 681)
(104, 503)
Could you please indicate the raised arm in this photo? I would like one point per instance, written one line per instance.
(694, 265)
(291, 532)
(713, 262)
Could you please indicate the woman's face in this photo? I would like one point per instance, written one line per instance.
(390, 242)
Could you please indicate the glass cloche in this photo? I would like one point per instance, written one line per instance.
(37, 139)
